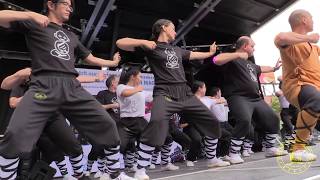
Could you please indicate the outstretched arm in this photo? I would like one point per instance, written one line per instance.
(89, 79)
(8, 16)
(203, 55)
(102, 62)
(267, 69)
(224, 58)
(129, 44)
(16, 79)
(289, 38)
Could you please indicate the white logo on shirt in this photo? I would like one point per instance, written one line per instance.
(61, 50)
(252, 74)
(114, 100)
(172, 59)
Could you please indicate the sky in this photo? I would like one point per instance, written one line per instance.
(265, 51)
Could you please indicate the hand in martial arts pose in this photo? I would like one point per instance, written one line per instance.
(171, 93)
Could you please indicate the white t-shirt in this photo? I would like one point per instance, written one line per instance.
(219, 110)
(131, 106)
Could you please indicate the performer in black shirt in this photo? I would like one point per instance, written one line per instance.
(108, 97)
(171, 93)
(54, 88)
(241, 89)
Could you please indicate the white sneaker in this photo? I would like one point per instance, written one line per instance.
(302, 156)
(273, 152)
(235, 159)
(245, 153)
(170, 167)
(134, 168)
(152, 166)
(105, 176)
(98, 174)
(141, 174)
(123, 176)
(69, 177)
(86, 173)
(250, 151)
(189, 163)
(216, 162)
(225, 158)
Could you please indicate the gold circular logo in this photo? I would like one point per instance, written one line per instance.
(291, 167)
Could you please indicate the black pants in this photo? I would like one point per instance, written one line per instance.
(196, 140)
(286, 119)
(198, 115)
(130, 129)
(179, 136)
(58, 140)
(245, 109)
(224, 141)
(48, 94)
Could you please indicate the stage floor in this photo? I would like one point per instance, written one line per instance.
(256, 167)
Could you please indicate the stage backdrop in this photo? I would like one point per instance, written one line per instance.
(94, 88)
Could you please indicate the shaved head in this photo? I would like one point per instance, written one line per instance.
(243, 40)
(297, 16)
(245, 44)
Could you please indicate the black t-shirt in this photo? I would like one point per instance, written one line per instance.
(52, 48)
(241, 78)
(107, 97)
(166, 63)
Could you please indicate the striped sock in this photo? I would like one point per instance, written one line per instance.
(270, 140)
(236, 144)
(154, 157)
(246, 144)
(89, 165)
(113, 163)
(165, 154)
(145, 153)
(101, 164)
(77, 165)
(62, 166)
(210, 147)
(129, 159)
(8, 168)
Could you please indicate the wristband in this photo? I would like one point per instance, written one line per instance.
(214, 59)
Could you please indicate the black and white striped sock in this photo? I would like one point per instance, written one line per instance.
(129, 159)
(89, 165)
(236, 144)
(210, 147)
(113, 163)
(62, 166)
(165, 154)
(8, 168)
(101, 164)
(154, 157)
(145, 153)
(77, 165)
(270, 140)
(247, 144)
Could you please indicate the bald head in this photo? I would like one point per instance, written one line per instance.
(296, 17)
(243, 40)
(245, 44)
